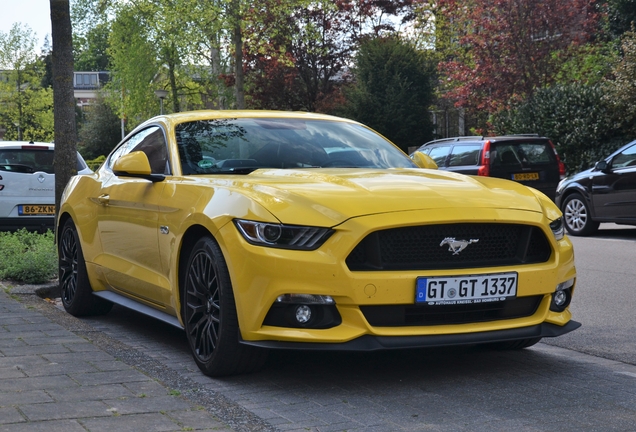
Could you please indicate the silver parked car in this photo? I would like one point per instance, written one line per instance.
(27, 185)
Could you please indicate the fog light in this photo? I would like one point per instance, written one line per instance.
(560, 298)
(303, 314)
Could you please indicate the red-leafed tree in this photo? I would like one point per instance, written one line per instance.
(309, 45)
(500, 51)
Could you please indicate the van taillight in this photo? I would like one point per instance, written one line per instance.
(561, 164)
(484, 169)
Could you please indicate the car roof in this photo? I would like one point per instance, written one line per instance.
(473, 139)
(23, 145)
(187, 116)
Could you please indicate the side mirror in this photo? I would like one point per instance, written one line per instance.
(423, 161)
(601, 166)
(136, 164)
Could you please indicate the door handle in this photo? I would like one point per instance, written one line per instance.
(104, 199)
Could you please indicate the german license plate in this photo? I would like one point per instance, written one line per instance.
(526, 176)
(36, 209)
(466, 289)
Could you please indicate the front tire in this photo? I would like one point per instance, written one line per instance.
(577, 217)
(210, 318)
(75, 288)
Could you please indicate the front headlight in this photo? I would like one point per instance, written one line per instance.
(282, 236)
(557, 228)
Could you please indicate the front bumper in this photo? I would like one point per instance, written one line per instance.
(375, 343)
(259, 275)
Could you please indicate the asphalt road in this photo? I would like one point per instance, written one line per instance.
(605, 296)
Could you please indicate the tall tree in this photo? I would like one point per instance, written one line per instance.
(21, 82)
(101, 130)
(134, 66)
(393, 90)
(506, 49)
(298, 51)
(65, 161)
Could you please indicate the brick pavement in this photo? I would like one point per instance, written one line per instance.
(51, 379)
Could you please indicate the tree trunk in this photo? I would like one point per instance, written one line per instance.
(65, 161)
(237, 38)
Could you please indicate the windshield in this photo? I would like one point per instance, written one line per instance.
(243, 145)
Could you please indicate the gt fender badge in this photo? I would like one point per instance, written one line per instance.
(456, 246)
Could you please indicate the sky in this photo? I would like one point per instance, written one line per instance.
(34, 13)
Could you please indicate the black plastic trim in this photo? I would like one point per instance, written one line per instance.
(375, 343)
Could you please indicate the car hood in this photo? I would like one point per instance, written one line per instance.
(328, 197)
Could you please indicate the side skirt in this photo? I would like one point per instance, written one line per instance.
(138, 307)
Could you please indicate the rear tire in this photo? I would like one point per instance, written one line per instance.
(210, 318)
(577, 217)
(75, 288)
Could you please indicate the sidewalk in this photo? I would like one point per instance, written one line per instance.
(52, 379)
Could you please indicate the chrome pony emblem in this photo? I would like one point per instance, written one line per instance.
(456, 246)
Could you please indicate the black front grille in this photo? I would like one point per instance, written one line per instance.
(411, 315)
(422, 248)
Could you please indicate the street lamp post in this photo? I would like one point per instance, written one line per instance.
(161, 94)
(17, 124)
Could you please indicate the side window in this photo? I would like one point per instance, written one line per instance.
(463, 155)
(627, 158)
(150, 141)
(439, 154)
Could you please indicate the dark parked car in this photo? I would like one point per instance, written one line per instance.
(528, 159)
(604, 193)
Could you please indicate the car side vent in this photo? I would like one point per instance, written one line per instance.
(430, 247)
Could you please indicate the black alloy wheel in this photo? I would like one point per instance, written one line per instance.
(76, 292)
(209, 314)
(577, 217)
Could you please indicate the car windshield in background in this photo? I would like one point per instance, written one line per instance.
(243, 145)
(31, 160)
(530, 153)
(26, 161)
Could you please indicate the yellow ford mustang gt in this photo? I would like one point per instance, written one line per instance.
(254, 230)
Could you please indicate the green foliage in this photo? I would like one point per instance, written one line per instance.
(100, 131)
(587, 64)
(621, 90)
(134, 66)
(393, 90)
(22, 99)
(90, 51)
(621, 15)
(27, 256)
(96, 163)
(576, 117)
